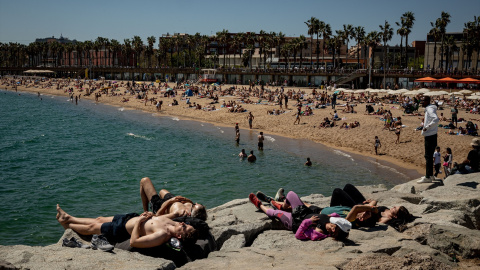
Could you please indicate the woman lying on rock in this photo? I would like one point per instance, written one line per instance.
(350, 204)
(311, 226)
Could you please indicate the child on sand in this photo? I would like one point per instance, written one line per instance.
(377, 144)
(447, 161)
(437, 160)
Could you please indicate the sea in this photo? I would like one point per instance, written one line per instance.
(90, 157)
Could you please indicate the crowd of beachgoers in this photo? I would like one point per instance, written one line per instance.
(358, 117)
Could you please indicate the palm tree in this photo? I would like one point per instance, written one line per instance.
(409, 20)
(138, 48)
(115, 47)
(237, 45)
(348, 32)
(386, 35)
(402, 32)
(312, 26)
(88, 45)
(444, 20)
(372, 39)
(222, 38)
(435, 33)
(251, 39)
(97, 45)
(149, 51)
(472, 38)
(326, 32)
(126, 51)
(262, 41)
(359, 36)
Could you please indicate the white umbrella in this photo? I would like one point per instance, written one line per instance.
(360, 91)
(465, 91)
(393, 92)
(476, 94)
(412, 93)
(368, 89)
(473, 97)
(404, 90)
(435, 93)
(348, 91)
(423, 90)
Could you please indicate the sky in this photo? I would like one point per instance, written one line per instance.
(23, 21)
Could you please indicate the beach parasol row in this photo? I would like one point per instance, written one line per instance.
(448, 80)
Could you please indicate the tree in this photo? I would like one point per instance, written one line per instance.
(359, 36)
(386, 35)
(326, 32)
(401, 31)
(149, 51)
(138, 47)
(435, 33)
(443, 21)
(348, 32)
(312, 25)
(223, 37)
(372, 39)
(409, 20)
(114, 47)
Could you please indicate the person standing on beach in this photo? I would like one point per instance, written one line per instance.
(286, 102)
(454, 112)
(260, 141)
(429, 131)
(334, 100)
(437, 159)
(250, 118)
(297, 118)
(377, 144)
(237, 128)
(237, 136)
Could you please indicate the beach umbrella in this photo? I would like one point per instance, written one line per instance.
(423, 90)
(360, 91)
(412, 93)
(468, 80)
(169, 89)
(425, 79)
(446, 80)
(473, 97)
(368, 89)
(465, 91)
(403, 90)
(476, 94)
(348, 91)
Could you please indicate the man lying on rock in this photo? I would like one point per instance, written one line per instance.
(119, 228)
(310, 226)
(166, 204)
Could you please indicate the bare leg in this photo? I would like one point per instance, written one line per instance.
(162, 193)
(67, 221)
(147, 190)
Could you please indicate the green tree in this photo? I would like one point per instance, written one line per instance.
(386, 34)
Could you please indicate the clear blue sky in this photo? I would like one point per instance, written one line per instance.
(24, 20)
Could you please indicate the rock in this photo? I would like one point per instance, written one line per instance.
(57, 257)
(447, 225)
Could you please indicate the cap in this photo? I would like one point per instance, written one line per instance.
(342, 223)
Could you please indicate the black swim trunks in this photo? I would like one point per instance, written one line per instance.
(156, 202)
(115, 231)
(260, 144)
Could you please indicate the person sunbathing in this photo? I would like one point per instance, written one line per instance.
(311, 226)
(165, 203)
(157, 231)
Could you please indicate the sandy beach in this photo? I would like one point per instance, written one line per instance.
(409, 153)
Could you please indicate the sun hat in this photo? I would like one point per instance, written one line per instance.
(475, 142)
(342, 223)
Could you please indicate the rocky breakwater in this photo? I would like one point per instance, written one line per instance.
(445, 235)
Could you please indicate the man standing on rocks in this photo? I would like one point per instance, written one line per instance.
(429, 131)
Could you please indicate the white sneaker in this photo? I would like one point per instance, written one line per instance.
(425, 180)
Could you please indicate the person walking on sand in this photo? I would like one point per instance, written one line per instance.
(429, 131)
(297, 118)
(260, 141)
(377, 144)
(250, 118)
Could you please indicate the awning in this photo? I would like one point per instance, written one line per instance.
(426, 79)
(446, 80)
(38, 71)
(468, 80)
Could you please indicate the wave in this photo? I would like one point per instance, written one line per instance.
(175, 119)
(121, 109)
(139, 136)
(388, 168)
(340, 153)
(269, 138)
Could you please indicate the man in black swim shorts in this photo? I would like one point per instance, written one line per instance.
(165, 203)
(119, 228)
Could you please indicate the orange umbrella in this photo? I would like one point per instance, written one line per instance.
(446, 80)
(468, 80)
(426, 79)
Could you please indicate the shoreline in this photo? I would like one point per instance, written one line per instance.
(408, 154)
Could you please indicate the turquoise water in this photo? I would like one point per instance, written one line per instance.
(90, 157)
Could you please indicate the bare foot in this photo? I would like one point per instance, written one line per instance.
(62, 217)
